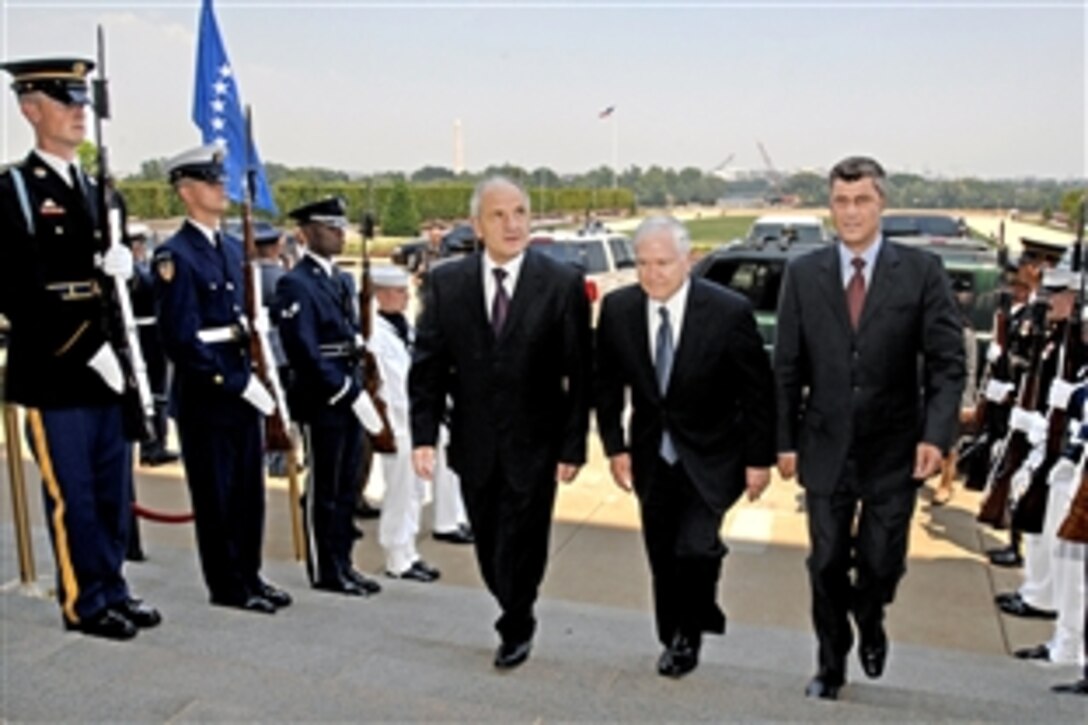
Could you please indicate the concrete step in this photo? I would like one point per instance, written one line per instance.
(423, 652)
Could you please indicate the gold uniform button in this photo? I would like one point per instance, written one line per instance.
(218, 379)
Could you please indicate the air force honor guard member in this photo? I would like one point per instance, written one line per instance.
(218, 401)
(319, 328)
(61, 365)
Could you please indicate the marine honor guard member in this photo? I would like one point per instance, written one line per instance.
(391, 344)
(62, 366)
(319, 328)
(219, 403)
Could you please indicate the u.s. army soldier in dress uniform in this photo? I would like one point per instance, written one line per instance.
(218, 401)
(61, 365)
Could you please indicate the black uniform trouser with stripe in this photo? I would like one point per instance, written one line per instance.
(223, 467)
(336, 450)
(86, 466)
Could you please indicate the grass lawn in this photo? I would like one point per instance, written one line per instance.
(709, 233)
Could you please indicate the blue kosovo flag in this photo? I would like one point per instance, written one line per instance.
(217, 111)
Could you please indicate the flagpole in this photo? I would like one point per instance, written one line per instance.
(615, 148)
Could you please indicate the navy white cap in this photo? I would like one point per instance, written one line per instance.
(203, 163)
(388, 275)
(1059, 280)
(62, 79)
(330, 211)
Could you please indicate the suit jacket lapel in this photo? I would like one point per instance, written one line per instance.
(529, 282)
(881, 284)
(641, 341)
(476, 306)
(688, 349)
(831, 282)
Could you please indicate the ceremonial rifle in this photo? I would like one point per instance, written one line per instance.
(138, 404)
(995, 507)
(384, 441)
(989, 415)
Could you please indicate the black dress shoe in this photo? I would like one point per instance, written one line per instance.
(341, 586)
(1019, 608)
(873, 652)
(1006, 597)
(414, 574)
(512, 654)
(1080, 687)
(422, 566)
(252, 603)
(365, 511)
(140, 614)
(368, 585)
(1008, 557)
(1038, 652)
(461, 535)
(680, 657)
(159, 458)
(823, 687)
(274, 594)
(108, 624)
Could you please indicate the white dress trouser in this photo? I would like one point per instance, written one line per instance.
(401, 505)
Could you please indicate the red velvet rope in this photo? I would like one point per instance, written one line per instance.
(160, 517)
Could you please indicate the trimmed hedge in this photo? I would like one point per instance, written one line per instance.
(156, 200)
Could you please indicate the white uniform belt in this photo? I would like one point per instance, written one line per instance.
(144, 321)
(214, 335)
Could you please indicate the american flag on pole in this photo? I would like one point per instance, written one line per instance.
(217, 111)
(606, 112)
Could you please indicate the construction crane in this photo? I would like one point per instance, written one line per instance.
(776, 197)
(719, 170)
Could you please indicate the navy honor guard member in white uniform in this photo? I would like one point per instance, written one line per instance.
(62, 366)
(391, 344)
(319, 328)
(219, 404)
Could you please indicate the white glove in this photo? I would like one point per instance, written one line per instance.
(105, 363)
(1063, 473)
(993, 352)
(258, 396)
(364, 410)
(117, 262)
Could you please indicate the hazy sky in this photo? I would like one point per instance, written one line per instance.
(992, 89)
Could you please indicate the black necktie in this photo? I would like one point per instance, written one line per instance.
(500, 303)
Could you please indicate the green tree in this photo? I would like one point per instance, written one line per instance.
(400, 217)
(88, 156)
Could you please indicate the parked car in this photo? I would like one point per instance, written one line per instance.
(754, 269)
(896, 224)
(605, 257)
(786, 229)
(409, 254)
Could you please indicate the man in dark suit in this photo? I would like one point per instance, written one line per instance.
(319, 328)
(63, 366)
(505, 334)
(702, 425)
(870, 367)
(219, 403)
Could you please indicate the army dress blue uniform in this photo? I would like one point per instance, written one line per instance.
(54, 292)
(319, 329)
(199, 306)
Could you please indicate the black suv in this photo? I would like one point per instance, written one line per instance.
(754, 270)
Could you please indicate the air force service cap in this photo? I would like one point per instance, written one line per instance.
(330, 212)
(62, 79)
(204, 163)
(388, 275)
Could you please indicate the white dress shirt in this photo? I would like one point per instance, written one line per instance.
(675, 305)
(513, 269)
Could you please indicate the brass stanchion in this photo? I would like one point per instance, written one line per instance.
(293, 502)
(19, 513)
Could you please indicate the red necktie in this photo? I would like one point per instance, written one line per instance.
(855, 291)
